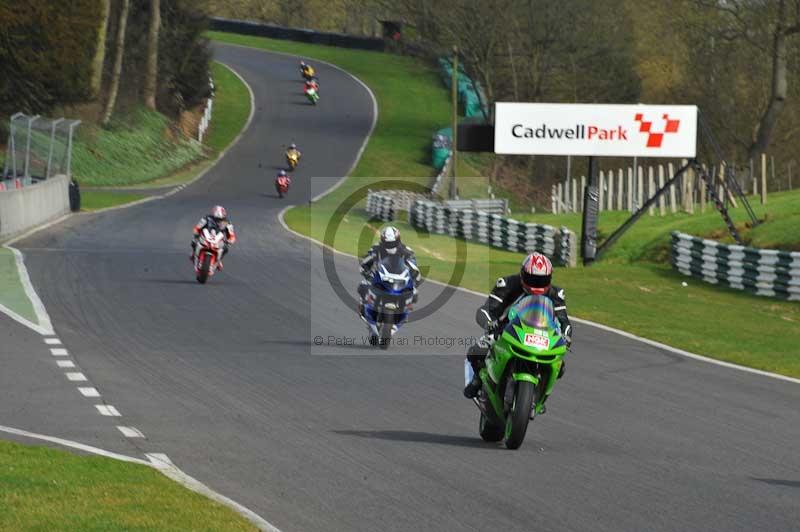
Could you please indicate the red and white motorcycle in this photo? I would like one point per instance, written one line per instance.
(209, 245)
(282, 183)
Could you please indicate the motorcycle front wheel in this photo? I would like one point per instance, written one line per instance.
(519, 415)
(205, 267)
(386, 335)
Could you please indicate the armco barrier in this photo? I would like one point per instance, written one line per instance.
(495, 230)
(764, 272)
(25, 208)
(297, 34)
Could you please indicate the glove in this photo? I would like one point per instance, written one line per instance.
(492, 327)
(568, 336)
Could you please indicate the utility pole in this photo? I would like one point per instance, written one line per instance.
(453, 149)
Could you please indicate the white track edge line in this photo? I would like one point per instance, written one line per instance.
(38, 307)
(620, 332)
(24, 321)
(171, 471)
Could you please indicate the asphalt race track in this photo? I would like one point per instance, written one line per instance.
(227, 381)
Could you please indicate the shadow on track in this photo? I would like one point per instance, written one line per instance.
(418, 437)
(779, 482)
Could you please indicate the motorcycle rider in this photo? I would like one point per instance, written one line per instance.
(218, 220)
(389, 244)
(312, 84)
(293, 151)
(534, 278)
(306, 69)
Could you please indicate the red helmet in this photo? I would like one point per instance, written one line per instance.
(536, 274)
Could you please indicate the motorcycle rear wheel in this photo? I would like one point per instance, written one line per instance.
(205, 267)
(519, 415)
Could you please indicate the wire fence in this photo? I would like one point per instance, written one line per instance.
(38, 147)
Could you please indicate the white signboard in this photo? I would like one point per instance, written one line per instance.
(589, 129)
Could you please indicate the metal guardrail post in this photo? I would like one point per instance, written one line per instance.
(12, 146)
(31, 120)
(52, 142)
(69, 146)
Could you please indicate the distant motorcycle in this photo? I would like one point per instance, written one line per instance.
(312, 95)
(292, 159)
(388, 300)
(282, 183)
(209, 244)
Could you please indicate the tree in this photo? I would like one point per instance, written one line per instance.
(766, 27)
(100, 51)
(151, 74)
(784, 27)
(117, 73)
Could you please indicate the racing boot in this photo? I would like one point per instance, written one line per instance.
(471, 390)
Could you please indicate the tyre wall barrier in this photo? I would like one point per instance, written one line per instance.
(27, 207)
(764, 272)
(496, 230)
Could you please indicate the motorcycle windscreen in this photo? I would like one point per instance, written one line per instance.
(537, 312)
(393, 273)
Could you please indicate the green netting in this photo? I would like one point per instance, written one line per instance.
(469, 101)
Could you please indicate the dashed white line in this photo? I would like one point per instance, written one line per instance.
(130, 432)
(107, 410)
(89, 392)
(76, 376)
(58, 352)
(65, 363)
(52, 341)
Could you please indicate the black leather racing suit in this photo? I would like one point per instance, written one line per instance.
(375, 254)
(506, 291)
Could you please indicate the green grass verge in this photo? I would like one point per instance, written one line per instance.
(92, 200)
(12, 293)
(644, 298)
(45, 489)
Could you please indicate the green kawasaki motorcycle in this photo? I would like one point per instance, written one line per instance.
(521, 369)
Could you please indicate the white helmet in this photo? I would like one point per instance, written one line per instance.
(390, 239)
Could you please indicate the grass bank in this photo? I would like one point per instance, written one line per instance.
(634, 290)
(158, 161)
(46, 489)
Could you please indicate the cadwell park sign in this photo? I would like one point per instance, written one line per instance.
(595, 130)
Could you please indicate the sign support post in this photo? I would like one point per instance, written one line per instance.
(590, 214)
(454, 149)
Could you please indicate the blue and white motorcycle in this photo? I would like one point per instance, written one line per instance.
(388, 300)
